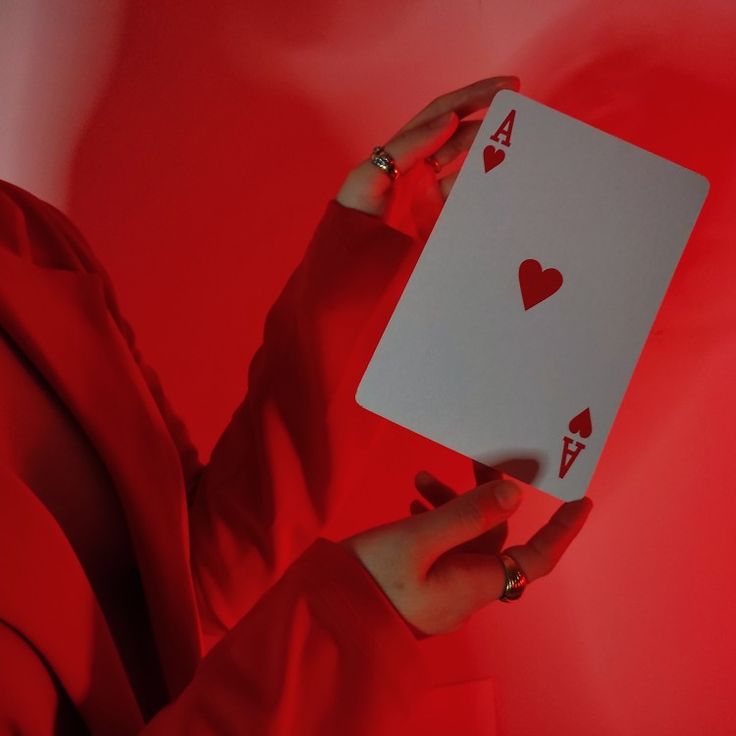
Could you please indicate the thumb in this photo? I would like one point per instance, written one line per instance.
(464, 518)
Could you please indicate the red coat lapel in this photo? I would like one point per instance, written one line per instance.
(45, 596)
(59, 318)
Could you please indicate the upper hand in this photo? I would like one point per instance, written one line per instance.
(414, 200)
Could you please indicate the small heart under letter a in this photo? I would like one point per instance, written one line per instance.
(581, 424)
(537, 284)
(492, 157)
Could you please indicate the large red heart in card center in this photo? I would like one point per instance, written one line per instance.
(537, 284)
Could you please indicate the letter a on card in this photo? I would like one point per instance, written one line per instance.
(503, 134)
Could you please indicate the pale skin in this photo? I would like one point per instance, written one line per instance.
(440, 565)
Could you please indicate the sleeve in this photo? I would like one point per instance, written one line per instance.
(307, 642)
(286, 457)
(29, 700)
(322, 653)
(283, 462)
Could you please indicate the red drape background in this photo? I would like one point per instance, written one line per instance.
(196, 143)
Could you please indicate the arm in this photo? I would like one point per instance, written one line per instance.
(274, 475)
(276, 472)
(323, 652)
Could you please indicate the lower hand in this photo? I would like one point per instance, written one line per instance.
(441, 566)
(414, 200)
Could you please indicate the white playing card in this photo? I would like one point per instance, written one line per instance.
(508, 362)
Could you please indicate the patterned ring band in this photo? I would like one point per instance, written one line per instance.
(384, 160)
(516, 580)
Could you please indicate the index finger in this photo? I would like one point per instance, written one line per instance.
(463, 101)
(484, 473)
(542, 552)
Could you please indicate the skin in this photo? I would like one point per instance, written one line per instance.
(440, 565)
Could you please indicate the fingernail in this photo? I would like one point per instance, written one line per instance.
(507, 494)
(441, 121)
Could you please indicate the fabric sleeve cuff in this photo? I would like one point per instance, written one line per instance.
(364, 619)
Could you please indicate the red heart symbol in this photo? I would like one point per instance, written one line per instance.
(537, 284)
(581, 424)
(492, 157)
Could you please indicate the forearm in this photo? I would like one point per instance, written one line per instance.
(323, 652)
(276, 473)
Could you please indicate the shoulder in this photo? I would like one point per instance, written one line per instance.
(41, 233)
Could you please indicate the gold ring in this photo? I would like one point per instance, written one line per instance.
(516, 580)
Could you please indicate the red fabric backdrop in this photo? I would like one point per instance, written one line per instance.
(203, 141)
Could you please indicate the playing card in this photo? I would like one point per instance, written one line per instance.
(520, 326)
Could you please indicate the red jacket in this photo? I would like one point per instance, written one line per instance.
(260, 627)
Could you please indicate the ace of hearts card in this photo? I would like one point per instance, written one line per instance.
(520, 326)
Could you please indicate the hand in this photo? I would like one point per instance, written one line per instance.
(434, 580)
(437, 493)
(414, 200)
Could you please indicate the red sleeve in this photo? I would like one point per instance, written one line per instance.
(322, 653)
(285, 458)
(28, 698)
(283, 462)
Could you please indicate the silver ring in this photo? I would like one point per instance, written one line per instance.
(384, 160)
(516, 580)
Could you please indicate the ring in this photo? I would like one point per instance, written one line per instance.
(516, 580)
(385, 161)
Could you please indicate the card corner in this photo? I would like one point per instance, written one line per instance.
(506, 92)
(704, 184)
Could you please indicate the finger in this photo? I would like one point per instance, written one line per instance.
(438, 493)
(434, 490)
(416, 144)
(464, 518)
(366, 185)
(465, 100)
(541, 553)
(477, 579)
(417, 507)
(457, 104)
(459, 143)
(489, 543)
(471, 580)
(485, 473)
